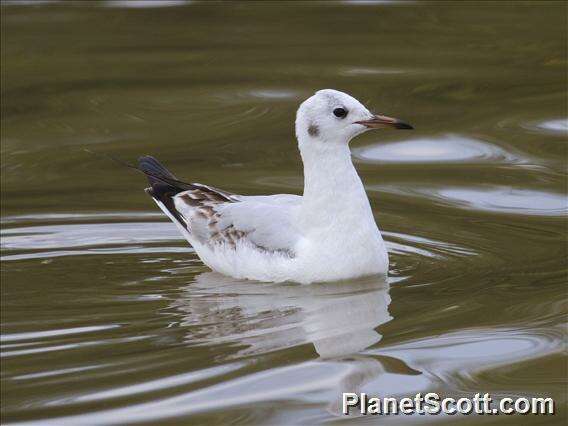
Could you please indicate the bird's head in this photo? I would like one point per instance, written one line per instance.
(331, 116)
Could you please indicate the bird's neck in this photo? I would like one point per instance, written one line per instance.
(332, 187)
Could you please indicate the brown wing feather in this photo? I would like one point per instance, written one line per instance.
(205, 218)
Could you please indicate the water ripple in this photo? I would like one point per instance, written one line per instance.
(498, 199)
(15, 337)
(73, 217)
(445, 149)
(557, 127)
(355, 71)
(85, 235)
(456, 359)
(144, 4)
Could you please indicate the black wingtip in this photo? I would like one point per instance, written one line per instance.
(155, 171)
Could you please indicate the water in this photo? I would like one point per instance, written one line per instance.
(108, 317)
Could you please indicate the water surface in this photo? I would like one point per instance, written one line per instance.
(109, 317)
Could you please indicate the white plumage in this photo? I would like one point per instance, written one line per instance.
(327, 234)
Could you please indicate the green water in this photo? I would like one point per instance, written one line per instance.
(108, 317)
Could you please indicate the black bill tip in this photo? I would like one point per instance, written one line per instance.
(401, 125)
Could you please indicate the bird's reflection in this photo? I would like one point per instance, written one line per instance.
(339, 319)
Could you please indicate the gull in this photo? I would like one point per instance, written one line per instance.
(327, 234)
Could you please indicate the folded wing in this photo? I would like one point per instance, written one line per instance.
(217, 218)
(264, 222)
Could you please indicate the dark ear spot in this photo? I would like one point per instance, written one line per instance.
(313, 130)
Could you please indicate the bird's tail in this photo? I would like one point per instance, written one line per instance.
(154, 170)
(163, 186)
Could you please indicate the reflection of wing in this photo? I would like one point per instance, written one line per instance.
(264, 222)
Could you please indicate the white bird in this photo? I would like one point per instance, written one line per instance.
(327, 234)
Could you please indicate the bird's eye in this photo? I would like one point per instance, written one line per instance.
(340, 112)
